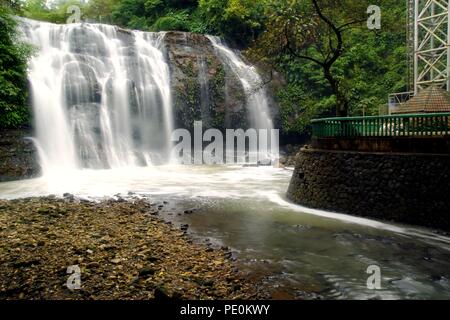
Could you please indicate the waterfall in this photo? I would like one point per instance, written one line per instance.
(101, 96)
(257, 101)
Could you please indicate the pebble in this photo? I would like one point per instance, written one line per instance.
(146, 272)
(106, 232)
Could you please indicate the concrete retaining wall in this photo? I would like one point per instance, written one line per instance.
(408, 188)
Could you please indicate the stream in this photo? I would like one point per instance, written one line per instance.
(297, 252)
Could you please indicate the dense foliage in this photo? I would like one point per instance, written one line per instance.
(368, 66)
(13, 66)
(239, 21)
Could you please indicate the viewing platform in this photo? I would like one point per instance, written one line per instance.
(410, 133)
(393, 168)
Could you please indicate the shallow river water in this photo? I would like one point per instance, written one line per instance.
(306, 253)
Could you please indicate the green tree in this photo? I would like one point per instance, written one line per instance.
(100, 11)
(56, 13)
(178, 20)
(134, 14)
(240, 21)
(371, 65)
(154, 15)
(13, 74)
(307, 30)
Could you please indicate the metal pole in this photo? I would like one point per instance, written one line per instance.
(448, 46)
(432, 39)
(416, 46)
(408, 43)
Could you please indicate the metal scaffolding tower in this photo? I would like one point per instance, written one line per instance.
(428, 48)
(431, 49)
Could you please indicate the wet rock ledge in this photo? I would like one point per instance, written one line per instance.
(123, 251)
(18, 156)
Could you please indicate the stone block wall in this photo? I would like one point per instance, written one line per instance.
(408, 188)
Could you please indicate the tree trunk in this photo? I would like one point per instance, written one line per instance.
(341, 104)
(341, 98)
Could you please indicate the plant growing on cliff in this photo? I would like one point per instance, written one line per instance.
(173, 21)
(13, 74)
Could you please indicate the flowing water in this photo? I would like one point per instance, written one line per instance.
(296, 248)
(99, 99)
(103, 115)
(252, 83)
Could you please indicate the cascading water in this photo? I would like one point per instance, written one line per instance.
(257, 101)
(102, 95)
(101, 99)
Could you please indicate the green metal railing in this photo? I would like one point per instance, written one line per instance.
(405, 125)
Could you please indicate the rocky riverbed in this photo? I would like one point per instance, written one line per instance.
(122, 249)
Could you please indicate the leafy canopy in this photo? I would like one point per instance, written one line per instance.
(13, 73)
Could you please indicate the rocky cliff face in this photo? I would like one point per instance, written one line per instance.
(18, 156)
(203, 88)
